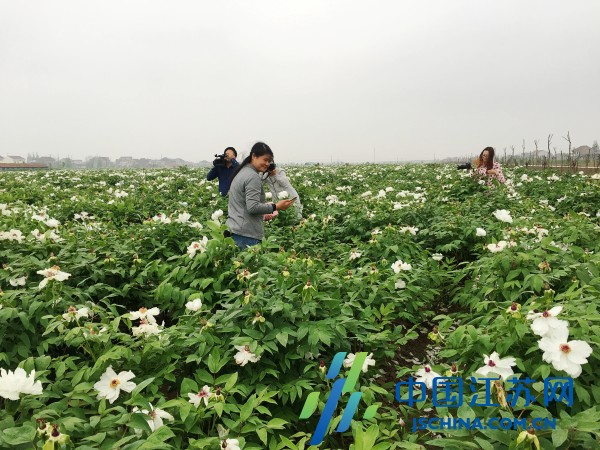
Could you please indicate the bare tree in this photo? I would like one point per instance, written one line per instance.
(568, 139)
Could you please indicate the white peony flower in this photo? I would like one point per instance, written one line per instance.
(398, 266)
(13, 384)
(39, 236)
(480, 232)
(194, 305)
(54, 237)
(283, 195)
(12, 235)
(155, 417)
(494, 364)
(145, 314)
(230, 444)
(411, 230)
(76, 314)
(52, 223)
(203, 395)
(400, 284)
(183, 217)
(17, 281)
(545, 324)
(110, 384)
(146, 329)
(437, 256)
(161, 218)
(196, 225)
(354, 254)
(426, 375)
(53, 273)
(197, 246)
(565, 355)
(244, 355)
(498, 247)
(268, 196)
(369, 361)
(503, 215)
(217, 215)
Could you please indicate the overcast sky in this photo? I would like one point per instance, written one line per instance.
(316, 80)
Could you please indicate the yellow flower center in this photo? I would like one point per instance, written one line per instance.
(565, 348)
(114, 383)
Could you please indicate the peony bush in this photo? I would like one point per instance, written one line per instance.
(128, 320)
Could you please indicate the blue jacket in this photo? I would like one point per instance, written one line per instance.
(224, 175)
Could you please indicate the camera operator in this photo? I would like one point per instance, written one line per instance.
(224, 166)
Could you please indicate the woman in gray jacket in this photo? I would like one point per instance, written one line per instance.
(247, 198)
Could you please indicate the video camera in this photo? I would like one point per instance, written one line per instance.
(271, 167)
(465, 166)
(219, 160)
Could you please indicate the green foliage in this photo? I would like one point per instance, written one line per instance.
(129, 252)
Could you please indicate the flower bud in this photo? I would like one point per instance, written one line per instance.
(322, 367)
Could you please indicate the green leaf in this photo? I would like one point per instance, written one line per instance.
(282, 338)
(141, 386)
(451, 443)
(231, 382)
(365, 440)
(18, 435)
(188, 385)
(246, 410)
(138, 420)
(485, 445)
(218, 407)
(466, 412)
(160, 435)
(559, 436)
(262, 434)
(276, 424)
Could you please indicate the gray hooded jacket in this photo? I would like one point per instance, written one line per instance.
(247, 204)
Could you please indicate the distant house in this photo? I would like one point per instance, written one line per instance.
(17, 159)
(98, 162)
(584, 150)
(124, 161)
(48, 160)
(170, 162)
(12, 159)
(18, 163)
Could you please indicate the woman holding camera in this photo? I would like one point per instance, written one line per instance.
(247, 198)
(485, 165)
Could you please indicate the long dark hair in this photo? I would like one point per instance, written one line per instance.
(490, 161)
(258, 149)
